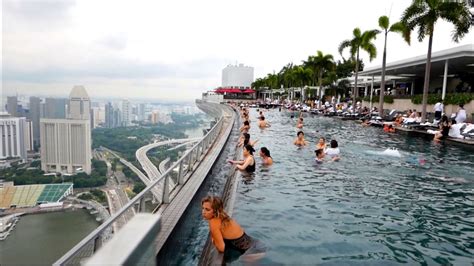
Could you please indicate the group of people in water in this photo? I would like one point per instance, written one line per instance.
(226, 234)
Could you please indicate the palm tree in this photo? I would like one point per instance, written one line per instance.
(360, 41)
(320, 64)
(398, 27)
(424, 14)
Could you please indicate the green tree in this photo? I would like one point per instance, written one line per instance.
(320, 64)
(423, 14)
(399, 27)
(359, 41)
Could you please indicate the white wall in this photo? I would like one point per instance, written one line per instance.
(237, 76)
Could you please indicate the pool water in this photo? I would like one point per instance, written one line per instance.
(368, 208)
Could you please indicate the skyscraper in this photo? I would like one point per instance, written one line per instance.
(55, 108)
(12, 105)
(13, 134)
(79, 104)
(109, 115)
(141, 111)
(126, 113)
(66, 143)
(34, 115)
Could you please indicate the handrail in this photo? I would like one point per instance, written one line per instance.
(95, 234)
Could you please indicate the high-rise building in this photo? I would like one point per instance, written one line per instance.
(154, 116)
(66, 143)
(79, 104)
(54, 108)
(13, 132)
(117, 118)
(97, 116)
(34, 115)
(141, 112)
(238, 76)
(29, 136)
(12, 105)
(109, 115)
(126, 113)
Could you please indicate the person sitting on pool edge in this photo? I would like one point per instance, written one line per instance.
(226, 234)
(248, 164)
(266, 158)
(300, 141)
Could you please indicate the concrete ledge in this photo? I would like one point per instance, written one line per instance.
(130, 244)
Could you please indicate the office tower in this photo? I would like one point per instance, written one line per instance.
(55, 108)
(12, 105)
(66, 143)
(13, 137)
(29, 143)
(141, 111)
(79, 104)
(34, 115)
(126, 113)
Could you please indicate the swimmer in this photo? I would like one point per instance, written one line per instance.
(226, 234)
(248, 164)
(300, 141)
(246, 127)
(319, 155)
(321, 144)
(263, 123)
(333, 151)
(266, 158)
(300, 123)
(245, 139)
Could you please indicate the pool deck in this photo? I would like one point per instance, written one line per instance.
(469, 142)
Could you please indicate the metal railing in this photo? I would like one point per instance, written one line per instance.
(143, 201)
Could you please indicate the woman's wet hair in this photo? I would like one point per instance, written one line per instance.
(322, 139)
(319, 152)
(246, 138)
(246, 123)
(249, 148)
(299, 132)
(217, 206)
(265, 151)
(334, 143)
(262, 118)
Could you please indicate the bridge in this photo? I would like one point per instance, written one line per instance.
(161, 204)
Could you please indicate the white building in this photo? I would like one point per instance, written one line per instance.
(79, 104)
(126, 113)
(14, 137)
(238, 76)
(65, 145)
(29, 136)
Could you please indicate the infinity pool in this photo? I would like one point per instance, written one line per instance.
(367, 208)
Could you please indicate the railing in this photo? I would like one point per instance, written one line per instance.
(143, 201)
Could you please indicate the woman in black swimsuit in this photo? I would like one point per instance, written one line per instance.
(226, 234)
(248, 164)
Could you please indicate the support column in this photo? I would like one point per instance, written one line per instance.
(371, 92)
(394, 84)
(445, 78)
(412, 88)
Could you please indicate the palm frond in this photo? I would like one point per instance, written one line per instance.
(344, 44)
(458, 14)
(384, 22)
(400, 27)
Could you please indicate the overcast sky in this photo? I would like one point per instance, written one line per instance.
(177, 49)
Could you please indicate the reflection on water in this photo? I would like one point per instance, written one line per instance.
(368, 208)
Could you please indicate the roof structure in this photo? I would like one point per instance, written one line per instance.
(459, 58)
(78, 92)
(31, 195)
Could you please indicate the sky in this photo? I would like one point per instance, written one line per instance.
(175, 50)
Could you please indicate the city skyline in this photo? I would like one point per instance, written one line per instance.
(152, 50)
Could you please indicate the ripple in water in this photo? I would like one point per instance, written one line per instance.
(367, 209)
